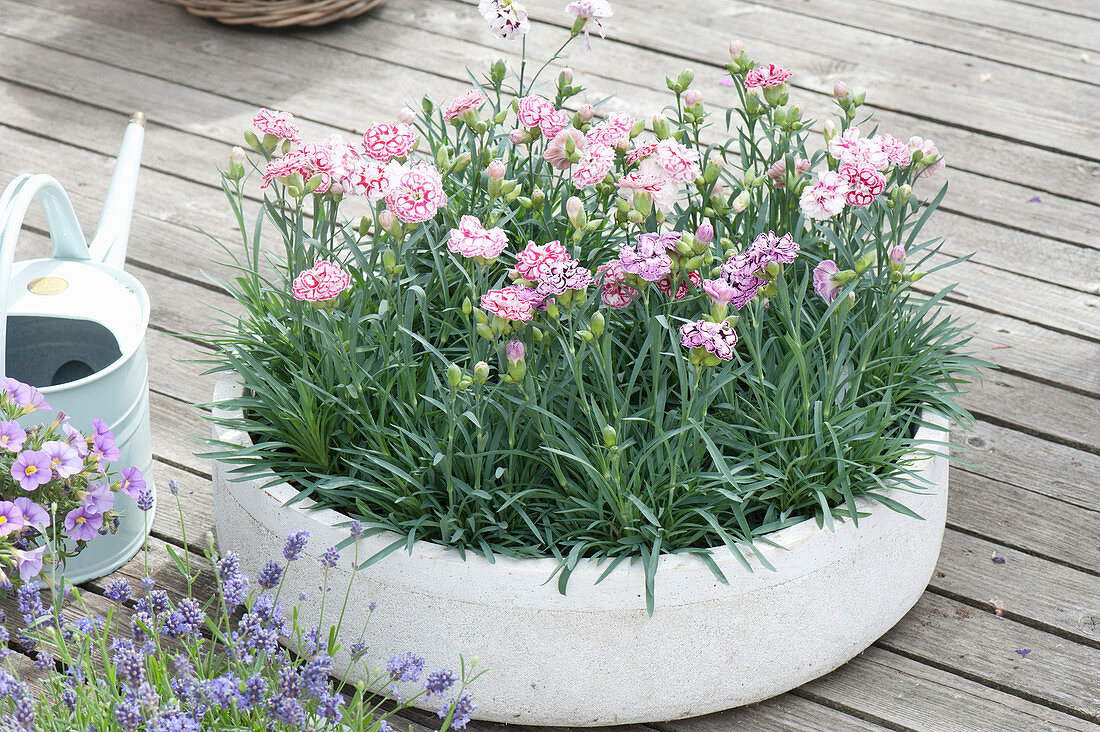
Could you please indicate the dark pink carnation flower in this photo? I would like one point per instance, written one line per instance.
(770, 75)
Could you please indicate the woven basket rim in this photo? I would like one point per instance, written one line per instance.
(278, 13)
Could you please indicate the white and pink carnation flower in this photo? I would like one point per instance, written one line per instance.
(458, 106)
(384, 142)
(505, 17)
(592, 11)
(417, 194)
(509, 304)
(694, 281)
(859, 151)
(614, 130)
(639, 181)
(594, 167)
(616, 293)
(680, 162)
(865, 183)
(472, 240)
(825, 281)
(825, 198)
(931, 160)
(279, 124)
(717, 338)
(324, 281)
(538, 112)
(770, 75)
(536, 259)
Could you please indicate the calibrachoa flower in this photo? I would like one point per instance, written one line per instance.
(825, 281)
(616, 293)
(133, 482)
(507, 303)
(594, 167)
(505, 17)
(591, 11)
(614, 130)
(417, 194)
(472, 240)
(460, 105)
(716, 338)
(64, 459)
(322, 282)
(29, 562)
(31, 469)
(648, 256)
(82, 524)
(825, 198)
(770, 75)
(537, 258)
(11, 518)
(383, 142)
(12, 436)
(280, 124)
(33, 514)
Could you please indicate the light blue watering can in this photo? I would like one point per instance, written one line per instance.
(74, 327)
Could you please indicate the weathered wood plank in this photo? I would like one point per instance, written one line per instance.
(1025, 521)
(788, 712)
(980, 646)
(910, 695)
(928, 23)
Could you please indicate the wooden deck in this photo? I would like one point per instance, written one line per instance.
(1008, 89)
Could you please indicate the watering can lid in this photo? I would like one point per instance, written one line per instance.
(81, 290)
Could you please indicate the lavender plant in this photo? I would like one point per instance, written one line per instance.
(558, 335)
(232, 661)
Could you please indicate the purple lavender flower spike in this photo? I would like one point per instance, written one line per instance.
(295, 545)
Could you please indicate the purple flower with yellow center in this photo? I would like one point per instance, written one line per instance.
(64, 459)
(77, 439)
(99, 498)
(31, 469)
(648, 256)
(18, 392)
(103, 445)
(33, 514)
(83, 524)
(29, 563)
(11, 518)
(133, 482)
(12, 436)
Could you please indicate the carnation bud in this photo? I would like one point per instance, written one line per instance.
(514, 351)
(685, 78)
(637, 129)
(565, 78)
(574, 209)
(587, 112)
(406, 115)
(484, 330)
(830, 130)
(794, 112)
(427, 105)
(462, 162)
(705, 233)
(693, 97)
(897, 257)
(236, 155)
(467, 306)
(840, 90)
(736, 48)
(610, 437)
(454, 375)
(538, 198)
(741, 202)
(498, 70)
(596, 323)
(661, 127)
(496, 170)
(518, 137)
(481, 372)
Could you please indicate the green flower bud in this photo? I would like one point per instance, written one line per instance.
(252, 141)
(485, 331)
(427, 105)
(454, 375)
(596, 323)
(481, 372)
(610, 437)
(467, 306)
(686, 77)
(586, 335)
(498, 70)
(480, 317)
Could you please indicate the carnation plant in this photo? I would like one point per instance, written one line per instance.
(56, 493)
(511, 326)
(231, 661)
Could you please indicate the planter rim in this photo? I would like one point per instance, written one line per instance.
(229, 386)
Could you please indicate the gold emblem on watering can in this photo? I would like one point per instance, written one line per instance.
(47, 285)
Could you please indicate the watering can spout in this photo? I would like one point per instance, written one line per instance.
(109, 244)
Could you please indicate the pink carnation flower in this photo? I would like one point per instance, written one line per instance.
(280, 124)
(929, 153)
(777, 173)
(665, 286)
(770, 75)
(539, 112)
(740, 271)
(323, 281)
(897, 152)
(612, 131)
(594, 167)
(824, 199)
(505, 17)
(561, 275)
(470, 100)
(640, 153)
(717, 338)
(641, 182)
(719, 291)
(556, 153)
(371, 179)
(648, 256)
(681, 163)
(825, 283)
(472, 239)
(417, 194)
(768, 248)
(592, 11)
(508, 304)
(535, 259)
(864, 181)
(616, 293)
(383, 142)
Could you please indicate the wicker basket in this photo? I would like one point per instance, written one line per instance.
(278, 13)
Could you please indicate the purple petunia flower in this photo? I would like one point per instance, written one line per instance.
(12, 436)
(33, 514)
(29, 562)
(11, 518)
(133, 482)
(295, 545)
(83, 524)
(64, 459)
(31, 469)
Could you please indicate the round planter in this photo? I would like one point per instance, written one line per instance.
(594, 656)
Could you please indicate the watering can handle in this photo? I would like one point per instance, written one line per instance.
(109, 243)
(68, 241)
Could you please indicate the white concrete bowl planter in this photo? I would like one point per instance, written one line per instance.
(594, 656)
